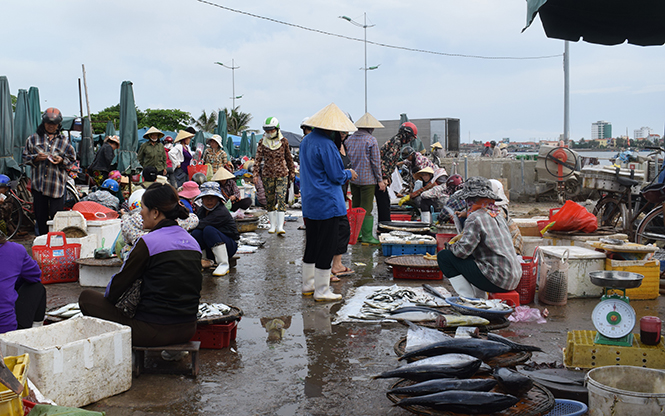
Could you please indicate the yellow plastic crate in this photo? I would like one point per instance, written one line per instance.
(10, 403)
(581, 352)
(651, 271)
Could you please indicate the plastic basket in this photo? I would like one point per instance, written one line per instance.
(404, 249)
(417, 273)
(216, 336)
(400, 217)
(10, 403)
(356, 217)
(57, 261)
(193, 169)
(564, 407)
(527, 285)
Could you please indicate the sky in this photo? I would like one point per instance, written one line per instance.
(167, 49)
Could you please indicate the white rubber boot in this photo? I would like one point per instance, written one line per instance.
(308, 279)
(272, 216)
(322, 292)
(222, 260)
(280, 222)
(479, 293)
(464, 288)
(425, 217)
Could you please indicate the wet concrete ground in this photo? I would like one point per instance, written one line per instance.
(317, 368)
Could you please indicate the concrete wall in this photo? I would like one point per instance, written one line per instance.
(519, 175)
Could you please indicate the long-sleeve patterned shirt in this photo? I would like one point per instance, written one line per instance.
(278, 163)
(363, 151)
(421, 162)
(47, 178)
(488, 239)
(216, 159)
(390, 153)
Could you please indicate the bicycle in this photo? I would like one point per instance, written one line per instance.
(635, 215)
(17, 206)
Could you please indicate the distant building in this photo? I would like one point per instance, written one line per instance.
(642, 133)
(446, 130)
(601, 130)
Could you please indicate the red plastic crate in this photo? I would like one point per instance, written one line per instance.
(216, 336)
(57, 262)
(442, 239)
(400, 217)
(417, 273)
(527, 286)
(511, 298)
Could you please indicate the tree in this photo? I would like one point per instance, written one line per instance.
(205, 122)
(98, 121)
(237, 121)
(14, 99)
(172, 120)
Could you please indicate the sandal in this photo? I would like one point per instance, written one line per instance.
(345, 272)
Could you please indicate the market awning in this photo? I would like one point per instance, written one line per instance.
(605, 22)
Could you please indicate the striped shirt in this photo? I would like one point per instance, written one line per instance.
(47, 178)
(363, 150)
(488, 240)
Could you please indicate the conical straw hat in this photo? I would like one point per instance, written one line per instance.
(331, 118)
(221, 174)
(153, 130)
(182, 135)
(367, 121)
(437, 145)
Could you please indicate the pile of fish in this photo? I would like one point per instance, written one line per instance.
(489, 304)
(380, 303)
(212, 310)
(398, 237)
(251, 239)
(443, 378)
(71, 310)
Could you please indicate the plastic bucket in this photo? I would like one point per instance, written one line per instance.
(356, 217)
(625, 390)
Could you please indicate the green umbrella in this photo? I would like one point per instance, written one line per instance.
(8, 165)
(245, 149)
(403, 118)
(110, 129)
(129, 136)
(23, 127)
(253, 144)
(33, 105)
(199, 138)
(222, 129)
(230, 147)
(86, 154)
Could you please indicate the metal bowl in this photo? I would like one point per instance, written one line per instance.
(616, 279)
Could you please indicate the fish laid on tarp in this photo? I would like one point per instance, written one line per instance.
(423, 372)
(480, 348)
(444, 384)
(514, 345)
(433, 291)
(415, 316)
(466, 402)
(512, 382)
(451, 321)
(415, 309)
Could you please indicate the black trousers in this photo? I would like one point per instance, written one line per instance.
(241, 204)
(344, 235)
(321, 241)
(382, 204)
(30, 305)
(45, 208)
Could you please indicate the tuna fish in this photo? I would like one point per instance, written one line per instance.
(480, 348)
(442, 384)
(452, 367)
(514, 345)
(512, 382)
(467, 402)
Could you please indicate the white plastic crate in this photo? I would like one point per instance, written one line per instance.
(75, 362)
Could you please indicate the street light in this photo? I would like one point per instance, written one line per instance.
(233, 79)
(365, 68)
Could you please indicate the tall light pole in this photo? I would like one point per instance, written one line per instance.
(364, 25)
(233, 79)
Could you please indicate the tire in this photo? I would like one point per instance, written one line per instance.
(71, 197)
(610, 212)
(652, 229)
(10, 216)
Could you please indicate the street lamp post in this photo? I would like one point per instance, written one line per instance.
(233, 79)
(364, 25)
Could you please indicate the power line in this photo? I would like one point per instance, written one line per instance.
(384, 45)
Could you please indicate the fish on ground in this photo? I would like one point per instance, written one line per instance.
(479, 348)
(439, 385)
(512, 382)
(514, 345)
(467, 402)
(423, 372)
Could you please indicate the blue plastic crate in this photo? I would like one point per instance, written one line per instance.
(403, 249)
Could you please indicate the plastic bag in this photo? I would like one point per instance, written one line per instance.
(526, 314)
(574, 217)
(553, 280)
(419, 336)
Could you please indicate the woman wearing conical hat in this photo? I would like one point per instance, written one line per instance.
(152, 152)
(180, 156)
(322, 175)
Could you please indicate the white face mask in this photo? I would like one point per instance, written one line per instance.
(153, 139)
(272, 134)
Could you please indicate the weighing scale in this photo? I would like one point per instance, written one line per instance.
(613, 317)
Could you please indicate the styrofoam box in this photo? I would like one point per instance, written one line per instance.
(64, 219)
(529, 244)
(96, 276)
(88, 244)
(581, 261)
(579, 240)
(75, 362)
(106, 230)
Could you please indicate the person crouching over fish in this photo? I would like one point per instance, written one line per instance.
(482, 258)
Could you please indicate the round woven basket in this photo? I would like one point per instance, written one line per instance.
(235, 315)
(247, 224)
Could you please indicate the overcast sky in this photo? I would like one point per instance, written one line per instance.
(167, 48)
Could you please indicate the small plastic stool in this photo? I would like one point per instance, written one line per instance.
(512, 298)
(138, 366)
